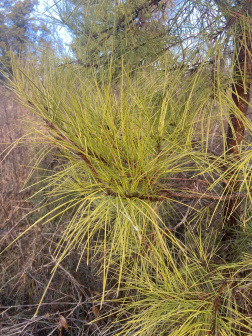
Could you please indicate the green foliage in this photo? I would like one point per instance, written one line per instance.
(148, 190)
(19, 31)
(124, 147)
(192, 297)
(134, 30)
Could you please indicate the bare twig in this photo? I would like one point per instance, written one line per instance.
(181, 222)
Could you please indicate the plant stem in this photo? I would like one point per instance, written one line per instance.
(235, 133)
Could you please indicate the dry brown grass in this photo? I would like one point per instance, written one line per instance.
(13, 167)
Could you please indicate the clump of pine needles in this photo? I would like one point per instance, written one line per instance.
(133, 155)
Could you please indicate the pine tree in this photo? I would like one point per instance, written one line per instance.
(19, 31)
(132, 32)
(167, 137)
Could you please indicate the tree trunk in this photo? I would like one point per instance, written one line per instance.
(235, 133)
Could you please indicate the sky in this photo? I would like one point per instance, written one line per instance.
(45, 8)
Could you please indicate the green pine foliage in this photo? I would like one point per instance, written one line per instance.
(189, 298)
(156, 169)
(134, 30)
(20, 31)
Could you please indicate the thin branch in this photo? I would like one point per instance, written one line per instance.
(168, 194)
(161, 194)
(181, 222)
(235, 15)
(216, 306)
(80, 152)
(135, 15)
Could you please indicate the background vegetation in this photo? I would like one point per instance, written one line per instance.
(147, 122)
